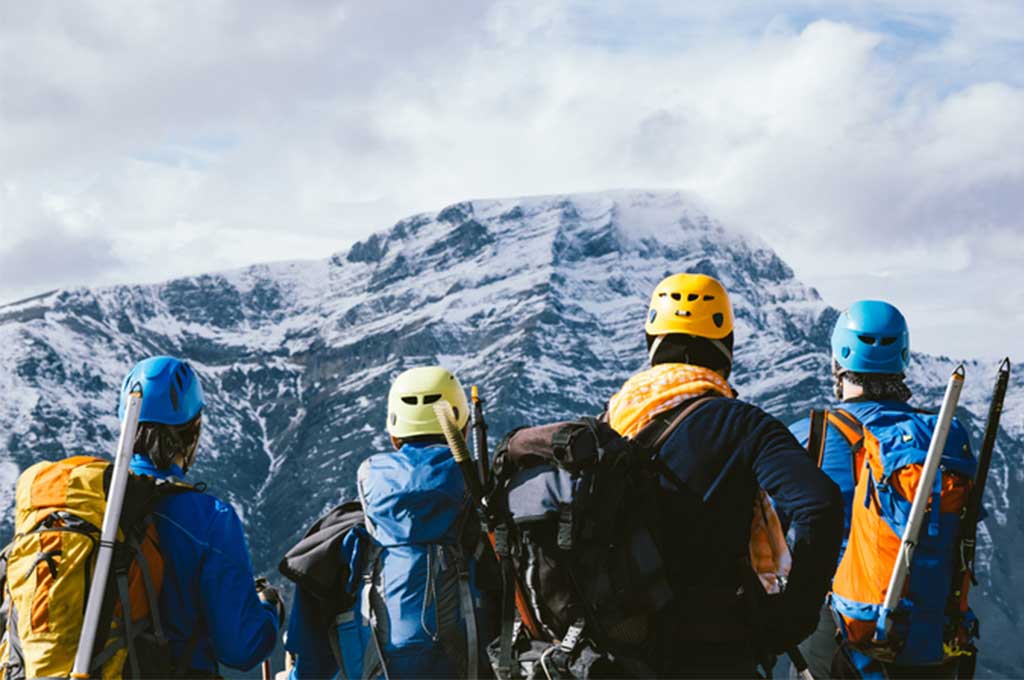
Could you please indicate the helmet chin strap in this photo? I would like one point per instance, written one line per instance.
(721, 346)
(654, 348)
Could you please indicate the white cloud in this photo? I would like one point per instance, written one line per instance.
(876, 145)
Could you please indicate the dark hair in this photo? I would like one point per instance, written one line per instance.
(875, 386)
(422, 439)
(680, 348)
(163, 443)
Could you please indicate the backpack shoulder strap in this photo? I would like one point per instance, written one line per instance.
(816, 436)
(170, 486)
(849, 426)
(374, 609)
(654, 435)
(852, 430)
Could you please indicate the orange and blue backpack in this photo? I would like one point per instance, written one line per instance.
(889, 442)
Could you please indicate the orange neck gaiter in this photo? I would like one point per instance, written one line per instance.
(659, 389)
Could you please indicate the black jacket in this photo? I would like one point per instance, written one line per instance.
(722, 453)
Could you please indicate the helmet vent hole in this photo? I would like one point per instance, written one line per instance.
(692, 297)
(174, 398)
(431, 398)
(662, 294)
(411, 400)
(677, 296)
(455, 411)
(866, 339)
(887, 341)
(718, 318)
(708, 298)
(177, 377)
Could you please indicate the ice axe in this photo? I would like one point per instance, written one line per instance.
(460, 452)
(964, 576)
(479, 427)
(973, 511)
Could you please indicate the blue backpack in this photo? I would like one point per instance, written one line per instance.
(412, 581)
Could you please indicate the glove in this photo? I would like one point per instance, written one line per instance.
(269, 594)
(781, 625)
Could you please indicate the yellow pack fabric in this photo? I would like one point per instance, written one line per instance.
(58, 514)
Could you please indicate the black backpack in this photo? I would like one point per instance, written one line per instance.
(577, 527)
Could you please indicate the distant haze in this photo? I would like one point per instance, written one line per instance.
(876, 145)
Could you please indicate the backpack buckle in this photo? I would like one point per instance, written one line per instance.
(572, 637)
(501, 540)
(565, 527)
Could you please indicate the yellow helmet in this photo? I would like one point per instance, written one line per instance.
(694, 304)
(411, 401)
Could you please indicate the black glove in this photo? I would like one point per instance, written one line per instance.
(781, 623)
(268, 593)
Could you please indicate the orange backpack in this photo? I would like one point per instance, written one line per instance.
(891, 445)
(47, 569)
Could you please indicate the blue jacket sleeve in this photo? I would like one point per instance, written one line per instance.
(801, 430)
(243, 629)
(307, 639)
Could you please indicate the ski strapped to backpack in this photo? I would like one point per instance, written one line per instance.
(960, 634)
(574, 508)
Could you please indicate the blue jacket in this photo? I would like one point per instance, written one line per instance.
(424, 465)
(835, 461)
(208, 580)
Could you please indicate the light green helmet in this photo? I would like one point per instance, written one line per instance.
(412, 397)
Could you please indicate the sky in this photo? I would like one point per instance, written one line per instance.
(876, 145)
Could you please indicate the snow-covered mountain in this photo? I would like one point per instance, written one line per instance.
(538, 300)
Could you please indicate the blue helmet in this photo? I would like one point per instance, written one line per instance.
(171, 393)
(871, 337)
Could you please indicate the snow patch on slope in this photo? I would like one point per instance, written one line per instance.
(8, 476)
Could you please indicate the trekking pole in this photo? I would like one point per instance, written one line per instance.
(460, 452)
(108, 534)
(920, 505)
(479, 426)
(796, 657)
